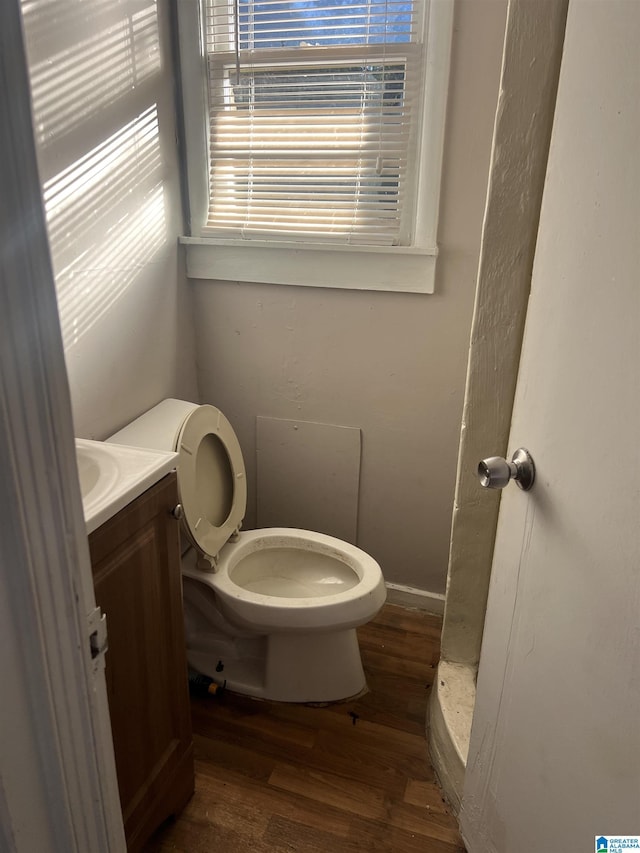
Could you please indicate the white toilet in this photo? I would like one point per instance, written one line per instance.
(272, 612)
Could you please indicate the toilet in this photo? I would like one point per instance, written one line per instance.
(271, 612)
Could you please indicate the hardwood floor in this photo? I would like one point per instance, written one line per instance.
(353, 776)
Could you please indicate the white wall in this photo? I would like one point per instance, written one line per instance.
(102, 89)
(392, 364)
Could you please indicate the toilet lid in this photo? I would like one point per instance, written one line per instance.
(212, 478)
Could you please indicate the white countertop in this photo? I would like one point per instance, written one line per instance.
(113, 475)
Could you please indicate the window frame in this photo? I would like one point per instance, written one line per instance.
(390, 268)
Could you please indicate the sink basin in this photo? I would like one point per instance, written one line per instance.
(112, 475)
(97, 470)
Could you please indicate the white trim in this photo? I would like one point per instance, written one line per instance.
(404, 269)
(420, 599)
(192, 71)
(438, 45)
(390, 268)
(58, 773)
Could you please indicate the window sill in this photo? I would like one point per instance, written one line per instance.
(398, 268)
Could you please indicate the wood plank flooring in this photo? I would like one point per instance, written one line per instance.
(353, 776)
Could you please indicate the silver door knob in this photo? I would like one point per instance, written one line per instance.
(495, 472)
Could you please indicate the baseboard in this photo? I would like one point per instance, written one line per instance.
(419, 599)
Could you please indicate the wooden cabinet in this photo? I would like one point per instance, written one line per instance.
(136, 571)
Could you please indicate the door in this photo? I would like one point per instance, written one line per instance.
(554, 759)
(58, 789)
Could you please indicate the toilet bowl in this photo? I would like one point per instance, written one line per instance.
(272, 612)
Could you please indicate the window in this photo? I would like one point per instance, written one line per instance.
(314, 139)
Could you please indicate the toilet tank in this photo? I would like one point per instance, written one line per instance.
(158, 428)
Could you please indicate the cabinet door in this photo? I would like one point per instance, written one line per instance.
(136, 568)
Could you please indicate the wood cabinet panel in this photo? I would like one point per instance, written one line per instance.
(136, 570)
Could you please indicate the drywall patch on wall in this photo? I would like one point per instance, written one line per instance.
(308, 476)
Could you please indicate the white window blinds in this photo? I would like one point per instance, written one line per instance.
(313, 119)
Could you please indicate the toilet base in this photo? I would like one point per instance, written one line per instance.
(291, 667)
(320, 667)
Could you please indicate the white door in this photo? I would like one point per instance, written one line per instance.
(58, 787)
(554, 760)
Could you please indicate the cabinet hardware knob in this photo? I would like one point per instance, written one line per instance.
(177, 512)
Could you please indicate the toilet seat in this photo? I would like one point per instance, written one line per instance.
(212, 477)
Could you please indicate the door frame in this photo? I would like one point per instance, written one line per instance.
(532, 55)
(59, 787)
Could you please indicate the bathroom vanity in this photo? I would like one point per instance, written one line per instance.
(135, 558)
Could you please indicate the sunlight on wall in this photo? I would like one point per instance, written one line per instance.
(95, 69)
(84, 58)
(106, 221)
